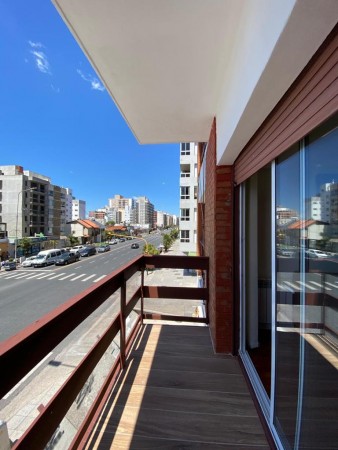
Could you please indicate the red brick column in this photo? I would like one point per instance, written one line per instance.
(219, 247)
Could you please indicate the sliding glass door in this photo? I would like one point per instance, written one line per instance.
(289, 290)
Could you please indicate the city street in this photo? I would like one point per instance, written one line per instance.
(26, 294)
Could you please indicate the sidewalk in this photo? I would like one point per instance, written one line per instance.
(22, 407)
(173, 278)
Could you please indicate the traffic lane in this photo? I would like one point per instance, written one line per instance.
(23, 301)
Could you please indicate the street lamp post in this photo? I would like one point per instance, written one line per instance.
(17, 217)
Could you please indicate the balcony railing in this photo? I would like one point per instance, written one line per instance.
(21, 353)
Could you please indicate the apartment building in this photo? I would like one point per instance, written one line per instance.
(188, 197)
(56, 211)
(144, 213)
(78, 209)
(255, 84)
(24, 202)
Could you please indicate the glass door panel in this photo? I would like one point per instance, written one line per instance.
(319, 412)
(289, 289)
(257, 250)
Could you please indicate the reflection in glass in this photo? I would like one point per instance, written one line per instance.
(319, 413)
(306, 384)
(288, 293)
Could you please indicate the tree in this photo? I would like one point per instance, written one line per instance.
(25, 244)
(167, 242)
(73, 240)
(150, 249)
(174, 234)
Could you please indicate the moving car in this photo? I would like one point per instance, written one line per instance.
(103, 248)
(87, 251)
(134, 245)
(122, 239)
(67, 258)
(28, 262)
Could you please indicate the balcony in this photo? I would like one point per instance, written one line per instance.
(149, 377)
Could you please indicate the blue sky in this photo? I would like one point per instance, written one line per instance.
(57, 119)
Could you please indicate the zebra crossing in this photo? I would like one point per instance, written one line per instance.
(311, 283)
(62, 276)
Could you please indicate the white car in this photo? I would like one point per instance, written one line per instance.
(312, 253)
(28, 262)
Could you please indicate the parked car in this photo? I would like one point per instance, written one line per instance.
(134, 245)
(313, 253)
(87, 251)
(76, 253)
(113, 241)
(285, 252)
(103, 248)
(122, 239)
(10, 265)
(77, 247)
(47, 257)
(28, 262)
(67, 258)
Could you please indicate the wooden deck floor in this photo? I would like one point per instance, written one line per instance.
(177, 394)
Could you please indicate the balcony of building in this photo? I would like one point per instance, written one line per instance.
(135, 368)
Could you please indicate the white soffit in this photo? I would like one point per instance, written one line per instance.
(171, 66)
(162, 61)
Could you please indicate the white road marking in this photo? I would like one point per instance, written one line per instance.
(90, 276)
(56, 276)
(44, 276)
(98, 279)
(67, 276)
(306, 285)
(79, 276)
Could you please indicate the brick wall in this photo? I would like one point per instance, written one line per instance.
(219, 247)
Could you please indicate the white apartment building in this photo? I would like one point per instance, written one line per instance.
(188, 197)
(69, 204)
(145, 212)
(314, 208)
(329, 202)
(78, 209)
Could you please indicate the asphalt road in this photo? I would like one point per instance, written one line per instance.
(26, 294)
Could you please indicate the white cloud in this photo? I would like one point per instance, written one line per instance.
(40, 57)
(35, 44)
(94, 82)
(55, 89)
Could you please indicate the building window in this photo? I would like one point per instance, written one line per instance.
(185, 192)
(185, 214)
(185, 149)
(185, 174)
(185, 236)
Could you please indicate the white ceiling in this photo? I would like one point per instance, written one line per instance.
(171, 66)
